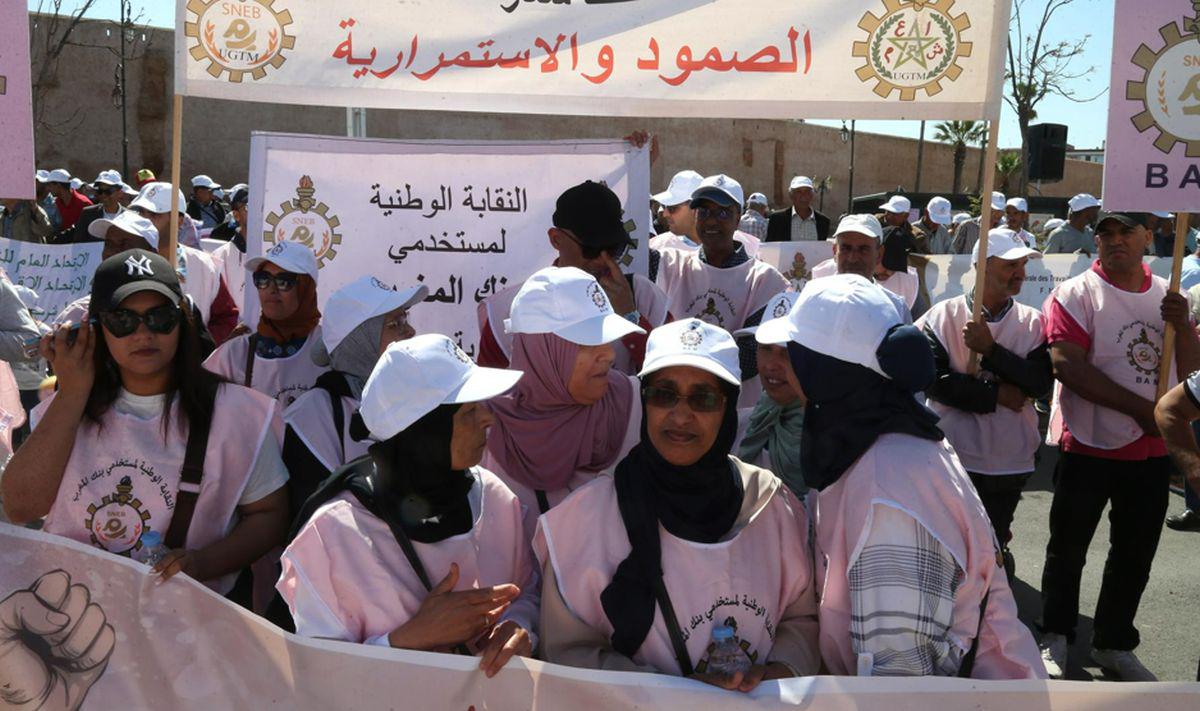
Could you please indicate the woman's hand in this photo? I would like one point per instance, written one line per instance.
(70, 356)
(178, 561)
(505, 641)
(747, 682)
(447, 618)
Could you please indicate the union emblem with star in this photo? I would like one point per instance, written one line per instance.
(912, 47)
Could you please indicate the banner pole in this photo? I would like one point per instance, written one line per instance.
(172, 238)
(1168, 351)
(985, 220)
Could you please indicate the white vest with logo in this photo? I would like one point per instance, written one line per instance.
(311, 418)
(283, 379)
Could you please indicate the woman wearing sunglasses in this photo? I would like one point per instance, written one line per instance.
(139, 437)
(572, 416)
(685, 544)
(277, 358)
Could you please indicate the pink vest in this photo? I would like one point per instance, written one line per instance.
(746, 582)
(121, 479)
(311, 419)
(230, 261)
(1000, 442)
(1127, 335)
(945, 503)
(283, 379)
(199, 278)
(670, 240)
(359, 571)
(12, 413)
(905, 285)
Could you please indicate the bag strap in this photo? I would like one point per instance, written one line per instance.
(334, 384)
(543, 501)
(252, 346)
(190, 476)
(673, 630)
(968, 661)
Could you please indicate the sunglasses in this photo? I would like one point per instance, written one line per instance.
(721, 213)
(616, 251)
(123, 322)
(104, 191)
(284, 281)
(702, 400)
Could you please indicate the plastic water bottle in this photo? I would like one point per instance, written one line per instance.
(726, 656)
(153, 550)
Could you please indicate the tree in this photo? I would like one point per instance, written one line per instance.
(1008, 166)
(45, 50)
(958, 134)
(1039, 67)
(983, 140)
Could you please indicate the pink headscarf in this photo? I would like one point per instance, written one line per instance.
(542, 436)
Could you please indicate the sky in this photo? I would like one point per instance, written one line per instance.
(1086, 122)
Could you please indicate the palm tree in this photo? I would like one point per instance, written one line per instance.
(1008, 166)
(983, 139)
(958, 134)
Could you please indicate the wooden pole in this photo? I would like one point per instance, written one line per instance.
(985, 221)
(1168, 351)
(172, 236)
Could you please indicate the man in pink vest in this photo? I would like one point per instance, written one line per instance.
(1105, 330)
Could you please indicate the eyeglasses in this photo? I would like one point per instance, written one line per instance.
(720, 213)
(702, 400)
(123, 322)
(589, 252)
(399, 322)
(284, 281)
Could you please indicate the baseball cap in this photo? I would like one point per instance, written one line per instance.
(76, 183)
(145, 175)
(126, 221)
(1019, 204)
(239, 196)
(108, 177)
(757, 199)
(128, 189)
(593, 213)
(415, 376)
(569, 303)
(843, 316)
(897, 204)
(939, 210)
(125, 274)
(361, 300)
(1004, 243)
(1053, 224)
(203, 181)
(58, 175)
(778, 307)
(800, 181)
(696, 344)
(1082, 201)
(42, 176)
(961, 218)
(1129, 219)
(861, 224)
(156, 197)
(1162, 215)
(721, 189)
(997, 201)
(680, 189)
(289, 256)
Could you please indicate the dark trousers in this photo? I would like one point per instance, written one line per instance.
(1000, 494)
(1138, 492)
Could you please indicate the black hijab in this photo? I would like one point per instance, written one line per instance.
(698, 503)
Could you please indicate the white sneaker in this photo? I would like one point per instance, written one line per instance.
(1054, 654)
(1123, 663)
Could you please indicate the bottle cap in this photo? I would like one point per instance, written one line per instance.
(722, 632)
(150, 539)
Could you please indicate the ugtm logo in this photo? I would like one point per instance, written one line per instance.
(238, 37)
(912, 47)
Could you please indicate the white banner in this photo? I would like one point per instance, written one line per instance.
(58, 274)
(467, 219)
(879, 59)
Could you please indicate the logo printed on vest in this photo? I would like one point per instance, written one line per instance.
(140, 265)
(118, 521)
(1142, 352)
(712, 312)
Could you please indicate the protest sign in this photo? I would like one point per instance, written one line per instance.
(16, 103)
(58, 274)
(795, 260)
(466, 219)
(821, 59)
(180, 646)
(1152, 155)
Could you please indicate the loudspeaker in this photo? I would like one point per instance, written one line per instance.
(1047, 151)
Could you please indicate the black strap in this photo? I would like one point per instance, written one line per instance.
(252, 346)
(968, 660)
(543, 502)
(191, 473)
(334, 384)
(673, 630)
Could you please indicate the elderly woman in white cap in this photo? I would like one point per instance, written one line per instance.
(687, 561)
(913, 583)
(572, 417)
(396, 550)
(276, 359)
(361, 320)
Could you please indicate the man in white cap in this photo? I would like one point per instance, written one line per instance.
(204, 206)
(46, 199)
(895, 212)
(931, 235)
(967, 233)
(1016, 215)
(720, 283)
(988, 415)
(858, 249)
(754, 220)
(1076, 235)
(69, 201)
(681, 221)
(802, 223)
(107, 189)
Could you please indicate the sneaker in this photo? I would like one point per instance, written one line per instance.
(1054, 654)
(1187, 521)
(1123, 663)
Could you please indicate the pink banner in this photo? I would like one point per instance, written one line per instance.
(1152, 157)
(16, 107)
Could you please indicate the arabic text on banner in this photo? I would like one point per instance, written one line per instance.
(58, 274)
(16, 103)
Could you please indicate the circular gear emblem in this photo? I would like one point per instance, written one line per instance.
(238, 38)
(912, 47)
(305, 220)
(1169, 91)
(1143, 354)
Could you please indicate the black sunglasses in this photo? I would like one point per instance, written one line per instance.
(104, 191)
(589, 252)
(721, 213)
(284, 281)
(123, 322)
(703, 400)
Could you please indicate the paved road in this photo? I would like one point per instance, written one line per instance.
(1169, 617)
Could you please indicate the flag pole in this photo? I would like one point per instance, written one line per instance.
(985, 221)
(172, 236)
(1168, 351)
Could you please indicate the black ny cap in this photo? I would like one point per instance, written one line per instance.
(1129, 219)
(593, 213)
(122, 275)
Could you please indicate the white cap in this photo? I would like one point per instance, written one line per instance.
(219, 193)
(1019, 204)
(361, 300)
(843, 316)
(1053, 224)
(58, 175)
(1082, 201)
(961, 217)
(860, 224)
(1161, 215)
(757, 199)
(569, 303)
(126, 221)
(240, 186)
(156, 197)
(997, 201)
(289, 256)
(76, 183)
(721, 189)
(939, 210)
(203, 181)
(680, 190)
(414, 376)
(778, 307)
(128, 189)
(800, 181)
(696, 344)
(1005, 244)
(897, 205)
(109, 177)
(42, 176)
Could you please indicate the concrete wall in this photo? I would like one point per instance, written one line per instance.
(85, 133)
